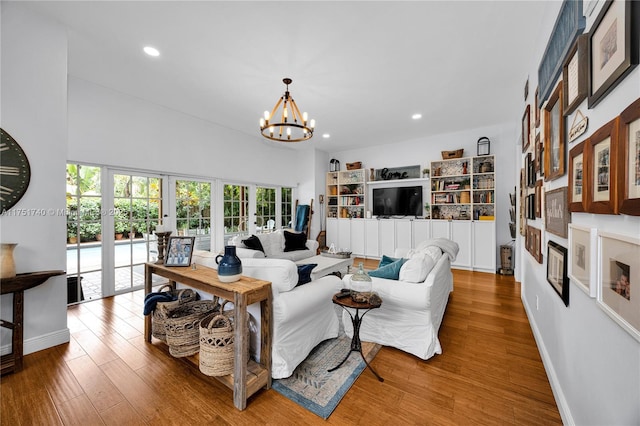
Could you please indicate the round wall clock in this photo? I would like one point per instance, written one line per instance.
(15, 172)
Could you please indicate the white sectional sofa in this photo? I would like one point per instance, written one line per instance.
(303, 315)
(274, 245)
(412, 310)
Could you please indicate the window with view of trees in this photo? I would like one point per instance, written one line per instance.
(265, 209)
(285, 221)
(193, 211)
(236, 209)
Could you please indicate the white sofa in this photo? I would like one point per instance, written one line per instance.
(274, 247)
(303, 315)
(411, 312)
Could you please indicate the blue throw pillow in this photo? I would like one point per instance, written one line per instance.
(294, 241)
(386, 260)
(304, 273)
(390, 271)
(253, 243)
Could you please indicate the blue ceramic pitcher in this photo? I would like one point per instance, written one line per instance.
(229, 265)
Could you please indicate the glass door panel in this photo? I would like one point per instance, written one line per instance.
(193, 211)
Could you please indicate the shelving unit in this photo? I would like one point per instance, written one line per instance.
(463, 188)
(346, 194)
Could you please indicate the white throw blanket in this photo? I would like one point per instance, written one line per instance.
(449, 247)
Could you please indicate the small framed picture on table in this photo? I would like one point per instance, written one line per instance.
(179, 251)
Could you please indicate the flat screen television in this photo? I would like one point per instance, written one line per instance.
(400, 201)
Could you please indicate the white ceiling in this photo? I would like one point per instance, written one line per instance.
(361, 69)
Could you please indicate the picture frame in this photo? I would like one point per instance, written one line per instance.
(538, 198)
(533, 243)
(531, 171)
(557, 270)
(537, 153)
(540, 155)
(179, 251)
(536, 109)
(531, 206)
(554, 136)
(602, 169)
(578, 161)
(575, 75)
(556, 212)
(523, 199)
(582, 254)
(526, 128)
(613, 47)
(619, 280)
(629, 142)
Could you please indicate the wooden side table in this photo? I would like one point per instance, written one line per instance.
(12, 362)
(356, 344)
(248, 376)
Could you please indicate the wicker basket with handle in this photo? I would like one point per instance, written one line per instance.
(160, 312)
(217, 344)
(447, 155)
(182, 326)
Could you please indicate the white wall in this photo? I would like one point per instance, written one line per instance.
(34, 97)
(423, 151)
(592, 363)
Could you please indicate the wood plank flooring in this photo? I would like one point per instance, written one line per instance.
(490, 373)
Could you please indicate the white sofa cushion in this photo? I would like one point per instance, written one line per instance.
(416, 269)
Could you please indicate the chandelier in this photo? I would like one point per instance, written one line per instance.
(286, 125)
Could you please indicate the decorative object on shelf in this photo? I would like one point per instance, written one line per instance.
(354, 166)
(360, 284)
(484, 146)
(7, 263)
(619, 279)
(293, 126)
(612, 61)
(582, 264)
(334, 165)
(557, 270)
(578, 126)
(15, 171)
(394, 173)
(179, 251)
(569, 24)
(336, 254)
(447, 155)
(629, 143)
(556, 212)
(578, 182)
(229, 265)
(554, 151)
(603, 169)
(372, 174)
(163, 238)
(526, 128)
(574, 75)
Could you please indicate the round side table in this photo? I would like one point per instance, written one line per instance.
(356, 346)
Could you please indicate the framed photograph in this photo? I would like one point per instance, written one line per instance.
(556, 212)
(575, 75)
(536, 109)
(538, 198)
(619, 280)
(179, 251)
(531, 171)
(540, 155)
(582, 254)
(602, 170)
(534, 241)
(523, 200)
(531, 206)
(526, 128)
(557, 270)
(629, 134)
(613, 47)
(578, 158)
(526, 89)
(554, 150)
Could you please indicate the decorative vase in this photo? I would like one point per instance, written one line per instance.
(360, 281)
(229, 265)
(7, 264)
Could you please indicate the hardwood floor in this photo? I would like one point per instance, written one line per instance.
(490, 373)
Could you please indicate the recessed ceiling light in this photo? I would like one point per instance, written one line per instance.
(326, 135)
(416, 116)
(151, 51)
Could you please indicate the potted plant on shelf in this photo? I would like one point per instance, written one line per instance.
(426, 173)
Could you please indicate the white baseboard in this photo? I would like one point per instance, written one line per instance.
(40, 343)
(563, 406)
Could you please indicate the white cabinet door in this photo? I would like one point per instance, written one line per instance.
(387, 237)
(371, 238)
(357, 237)
(344, 234)
(404, 233)
(332, 232)
(484, 246)
(421, 231)
(440, 229)
(461, 234)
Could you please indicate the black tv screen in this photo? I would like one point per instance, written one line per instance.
(401, 201)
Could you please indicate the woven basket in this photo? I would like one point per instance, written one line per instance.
(354, 166)
(216, 345)
(182, 326)
(446, 155)
(160, 312)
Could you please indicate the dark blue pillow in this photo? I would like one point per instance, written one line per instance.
(295, 241)
(254, 243)
(304, 273)
(385, 260)
(390, 271)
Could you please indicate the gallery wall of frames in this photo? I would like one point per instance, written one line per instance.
(601, 166)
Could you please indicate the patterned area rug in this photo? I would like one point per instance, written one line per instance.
(313, 387)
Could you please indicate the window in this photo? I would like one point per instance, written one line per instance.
(236, 210)
(193, 211)
(285, 203)
(265, 209)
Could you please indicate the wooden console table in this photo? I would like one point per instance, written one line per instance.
(12, 362)
(248, 376)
